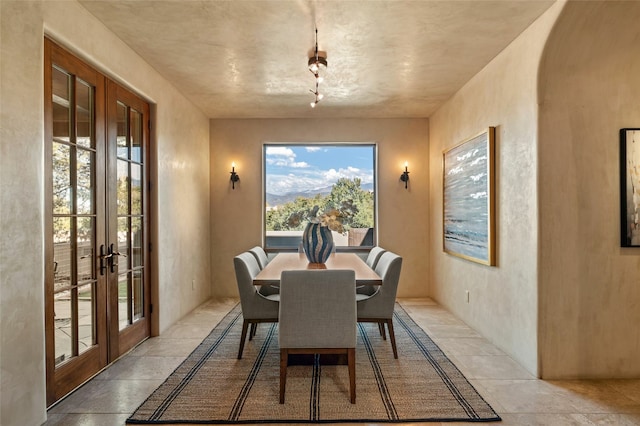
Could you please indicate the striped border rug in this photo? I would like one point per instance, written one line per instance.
(211, 386)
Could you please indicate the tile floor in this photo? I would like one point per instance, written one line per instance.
(518, 397)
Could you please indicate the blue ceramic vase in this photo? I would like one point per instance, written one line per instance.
(317, 242)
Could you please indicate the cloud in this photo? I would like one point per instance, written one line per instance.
(281, 156)
(299, 165)
(280, 151)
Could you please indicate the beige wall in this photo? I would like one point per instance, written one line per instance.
(403, 216)
(181, 188)
(503, 303)
(22, 368)
(589, 286)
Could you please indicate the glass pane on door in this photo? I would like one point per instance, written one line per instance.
(84, 114)
(86, 317)
(85, 161)
(62, 288)
(61, 93)
(136, 189)
(136, 135)
(61, 178)
(123, 301)
(85, 236)
(138, 295)
(121, 137)
(123, 187)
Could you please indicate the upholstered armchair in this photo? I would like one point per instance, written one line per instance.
(374, 256)
(260, 255)
(372, 260)
(262, 258)
(378, 307)
(317, 316)
(256, 308)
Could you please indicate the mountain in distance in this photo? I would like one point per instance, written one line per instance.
(280, 199)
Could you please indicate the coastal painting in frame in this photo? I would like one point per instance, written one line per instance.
(468, 204)
(630, 187)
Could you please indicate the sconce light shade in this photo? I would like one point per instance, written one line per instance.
(405, 175)
(234, 176)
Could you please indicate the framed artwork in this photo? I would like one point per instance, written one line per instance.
(469, 199)
(630, 187)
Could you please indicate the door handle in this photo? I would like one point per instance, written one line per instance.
(104, 258)
(112, 254)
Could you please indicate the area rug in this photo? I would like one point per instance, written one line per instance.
(212, 387)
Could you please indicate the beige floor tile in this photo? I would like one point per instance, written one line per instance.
(437, 331)
(490, 367)
(597, 396)
(468, 346)
(87, 420)
(166, 347)
(629, 388)
(566, 420)
(107, 397)
(530, 396)
(141, 368)
(189, 330)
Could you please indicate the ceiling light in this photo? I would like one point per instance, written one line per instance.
(317, 63)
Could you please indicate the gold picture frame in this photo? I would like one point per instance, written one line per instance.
(468, 206)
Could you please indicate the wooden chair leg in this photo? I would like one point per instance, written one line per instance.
(392, 336)
(284, 357)
(382, 332)
(243, 336)
(252, 331)
(351, 357)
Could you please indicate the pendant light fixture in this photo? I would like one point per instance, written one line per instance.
(317, 63)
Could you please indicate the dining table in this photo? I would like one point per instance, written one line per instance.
(270, 275)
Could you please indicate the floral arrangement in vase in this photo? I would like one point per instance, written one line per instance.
(317, 240)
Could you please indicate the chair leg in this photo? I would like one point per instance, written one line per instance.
(252, 331)
(382, 332)
(243, 336)
(284, 357)
(351, 357)
(392, 336)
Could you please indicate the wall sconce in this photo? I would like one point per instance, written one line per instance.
(405, 175)
(234, 176)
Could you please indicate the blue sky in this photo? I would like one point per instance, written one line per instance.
(293, 168)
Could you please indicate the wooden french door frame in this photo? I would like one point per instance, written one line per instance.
(64, 378)
(122, 340)
(108, 339)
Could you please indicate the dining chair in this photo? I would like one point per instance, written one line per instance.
(262, 259)
(378, 307)
(318, 316)
(374, 256)
(256, 308)
(260, 255)
(372, 261)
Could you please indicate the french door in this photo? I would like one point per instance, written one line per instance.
(97, 303)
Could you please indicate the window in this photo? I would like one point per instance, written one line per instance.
(332, 183)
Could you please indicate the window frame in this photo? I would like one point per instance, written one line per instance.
(292, 248)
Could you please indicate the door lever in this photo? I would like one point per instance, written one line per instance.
(112, 254)
(103, 258)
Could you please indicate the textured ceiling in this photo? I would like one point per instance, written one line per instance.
(248, 59)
